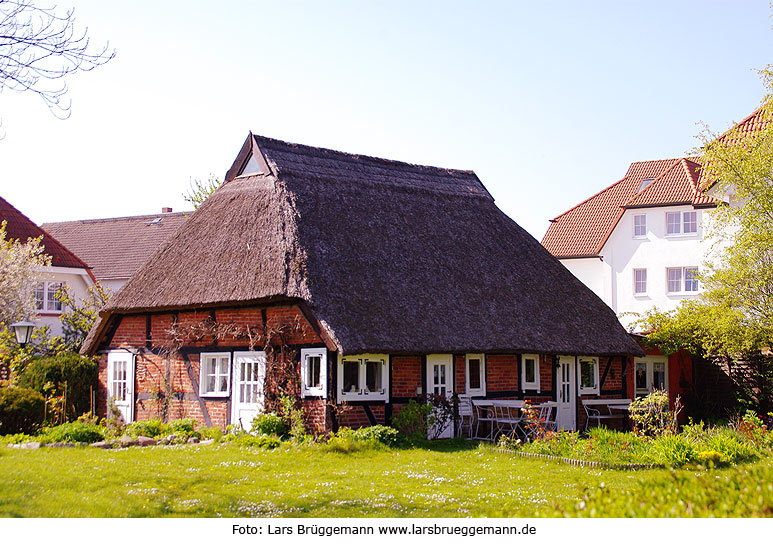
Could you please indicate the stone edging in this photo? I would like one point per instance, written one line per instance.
(581, 462)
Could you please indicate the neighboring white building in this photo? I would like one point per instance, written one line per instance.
(66, 269)
(640, 243)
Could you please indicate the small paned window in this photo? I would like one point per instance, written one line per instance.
(640, 225)
(475, 375)
(589, 375)
(46, 296)
(530, 372)
(363, 377)
(673, 223)
(314, 372)
(215, 375)
(690, 279)
(690, 222)
(639, 281)
(674, 279)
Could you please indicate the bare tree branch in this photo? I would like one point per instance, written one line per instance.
(39, 48)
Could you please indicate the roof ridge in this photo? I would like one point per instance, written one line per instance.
(352, 156)
(161, 214)
(611, 185)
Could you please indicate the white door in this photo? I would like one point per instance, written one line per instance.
(249, 373)
(566, 393)
(440, 382)
(120, 383)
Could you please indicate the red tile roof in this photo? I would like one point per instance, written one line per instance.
(22, 228)
(678, 185)
(751, 124)
(583, 229)
(116, 247)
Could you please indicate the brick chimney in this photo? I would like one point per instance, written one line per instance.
(166, 210)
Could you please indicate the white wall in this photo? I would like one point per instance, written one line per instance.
(656, 252)
(77, 280)
(594, 273)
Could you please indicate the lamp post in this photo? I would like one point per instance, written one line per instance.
(23, 332)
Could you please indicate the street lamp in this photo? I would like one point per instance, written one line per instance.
(23, 332)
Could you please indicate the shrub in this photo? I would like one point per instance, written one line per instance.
(264, 441)
(150, 428)
(651, 416)
(18, 438)
(269, 423)
(211, 433)
(66, 376)
(730, 445)
(413, 419)
(295, 417)
(346, 440)
(185, 428)
(21, 410)
(675, 450)
(710, 458)
(386, 435)
(78, 431)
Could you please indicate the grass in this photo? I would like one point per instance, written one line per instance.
(446, 479)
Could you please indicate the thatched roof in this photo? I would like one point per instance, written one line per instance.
(390, 257)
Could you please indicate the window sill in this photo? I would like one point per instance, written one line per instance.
(475, 392)
(681, 235)
(530, 387)
(313, 393)
(589, 392)
(214, 395)
(364, 397)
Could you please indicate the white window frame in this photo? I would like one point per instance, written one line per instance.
(649, 362)
(361, 392)
(530, 385)
(595, 389)
(636, 282)
(682, 280)
(681, 224)
(467, 389)
(643, 225)
(320, 390)
(203, 357)
(684, 222)
(48, 304)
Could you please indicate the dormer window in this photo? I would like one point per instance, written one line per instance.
(644, 183)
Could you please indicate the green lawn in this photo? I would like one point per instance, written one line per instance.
(447, 480)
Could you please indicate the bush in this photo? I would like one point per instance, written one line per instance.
(185, 428)
(730, 445)
(211, 433)
(650, 415)
(412, 419)
(66, 371)
(385, 435)
(21, 410)
(675, 450)
(264, 441)
(18, 438)
(151, 428)
(78, 431)
(269, 423)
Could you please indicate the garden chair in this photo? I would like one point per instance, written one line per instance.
(466, 416)
(508, 419)
(483, 415)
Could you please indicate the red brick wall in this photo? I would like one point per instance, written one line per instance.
(406, 375)
(355, 416)
(501, 373)
(155, 374)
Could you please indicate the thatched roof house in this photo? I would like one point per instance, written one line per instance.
(404, 279)
(389, 257)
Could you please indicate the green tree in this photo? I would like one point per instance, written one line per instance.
(199, 190)
(21, 266)
(79, 316)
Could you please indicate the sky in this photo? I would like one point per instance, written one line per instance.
(548, 102)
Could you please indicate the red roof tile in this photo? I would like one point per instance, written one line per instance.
(583, 229)
(22, 228)
(678, 185)
(116, 247)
